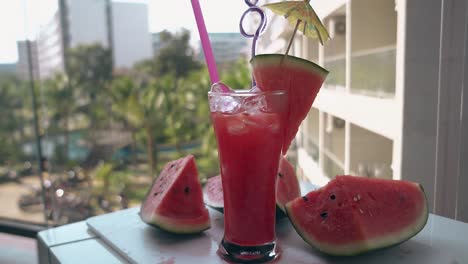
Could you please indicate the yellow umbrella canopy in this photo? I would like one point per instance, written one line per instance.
(301, 15)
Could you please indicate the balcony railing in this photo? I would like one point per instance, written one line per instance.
(332, 166)
(337, 77)
(373, 72)
(311, 148)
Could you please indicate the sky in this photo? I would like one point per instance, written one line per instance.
(22, 18)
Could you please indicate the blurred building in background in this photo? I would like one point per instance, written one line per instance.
(22, 65)
(227, 47)
(391, 104)
(354, 123)
(130, 33)
(122, 24)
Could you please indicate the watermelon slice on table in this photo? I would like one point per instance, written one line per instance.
(352, 215)
(287, 185)
(213, 193)
(287, 189)
(175, 201)
(301, 78)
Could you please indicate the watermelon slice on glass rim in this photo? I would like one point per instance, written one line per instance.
(301, 78)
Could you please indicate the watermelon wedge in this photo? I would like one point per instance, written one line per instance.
(287, 185)
(352, 215)
(213, 193)
(287, 189)
(301, 78)
(175, 201)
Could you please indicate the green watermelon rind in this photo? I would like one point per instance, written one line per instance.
(178, 226)
(266, 60)
(369, 245)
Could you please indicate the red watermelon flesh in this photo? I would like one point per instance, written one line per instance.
(301, 78)
(287, 184)
(213, 193)
(351, 215)
(175, 200)
(287, 189)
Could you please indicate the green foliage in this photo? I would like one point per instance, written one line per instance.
(238, 75)
(90, 67)
(16, 116)
(176, 56)
(89, 72)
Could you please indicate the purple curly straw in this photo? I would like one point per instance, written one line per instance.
(263, 21)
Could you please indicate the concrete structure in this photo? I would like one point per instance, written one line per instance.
(87, 22)
(130, 30)
(392, 104)
(50, 48)
(7, 68)
(227, 47)
(22, 66)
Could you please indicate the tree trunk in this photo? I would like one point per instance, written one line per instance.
(150, 149)
(134, 149)
(67, 135)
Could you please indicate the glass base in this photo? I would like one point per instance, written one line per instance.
(234, 253)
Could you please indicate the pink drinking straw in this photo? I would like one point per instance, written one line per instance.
(205, 40)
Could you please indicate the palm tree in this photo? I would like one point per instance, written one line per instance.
(16, 117)
(139, 102)
(61, 106)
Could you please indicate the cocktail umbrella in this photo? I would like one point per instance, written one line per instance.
(302, 16)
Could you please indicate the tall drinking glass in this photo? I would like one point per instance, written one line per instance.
(249, 128)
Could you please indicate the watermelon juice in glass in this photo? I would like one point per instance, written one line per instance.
(249, 128)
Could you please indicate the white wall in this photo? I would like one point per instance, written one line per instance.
(88, 22)
(311, 125)
(335, 141)
(132, 39)
(373, 24)
(324, 8)
(368, 147)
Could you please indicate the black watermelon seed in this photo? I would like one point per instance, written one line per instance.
(156, 193)
(324, 214)
(280, 174)
(305, 198)
(172, 165)
(333, 197)
(186, 190)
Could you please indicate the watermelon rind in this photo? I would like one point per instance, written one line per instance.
(368, 245)
(275, 59)
(180, 226)
(214, 206)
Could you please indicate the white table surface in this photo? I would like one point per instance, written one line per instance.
(441, 241)
(121, 237)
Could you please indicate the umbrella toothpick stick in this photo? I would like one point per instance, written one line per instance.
(292, 37)
(290, 41)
